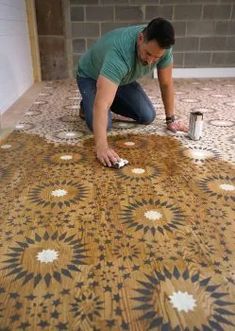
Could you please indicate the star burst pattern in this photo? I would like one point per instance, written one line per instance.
(152, 216)
(44, 194)
(138, 173)
(87, 307)
(184, 293)
(70, 251)
(219, 187)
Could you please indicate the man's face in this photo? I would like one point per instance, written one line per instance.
(148, 52)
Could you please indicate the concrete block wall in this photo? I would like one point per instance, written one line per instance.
(205, 29)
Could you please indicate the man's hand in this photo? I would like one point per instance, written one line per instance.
(107, 156)
(177, 126)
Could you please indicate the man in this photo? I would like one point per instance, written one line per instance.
(107, 75)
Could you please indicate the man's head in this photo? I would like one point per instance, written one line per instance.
(154, 39)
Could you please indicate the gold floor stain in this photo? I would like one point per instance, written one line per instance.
(146, 247)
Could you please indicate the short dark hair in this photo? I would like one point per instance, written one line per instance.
(161, 30)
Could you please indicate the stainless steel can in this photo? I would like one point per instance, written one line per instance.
(195, 125)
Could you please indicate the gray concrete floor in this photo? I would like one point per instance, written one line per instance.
(15, 113)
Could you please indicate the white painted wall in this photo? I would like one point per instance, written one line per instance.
(201, 73)
(16, 74)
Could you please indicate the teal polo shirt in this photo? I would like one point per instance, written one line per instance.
(114, 57)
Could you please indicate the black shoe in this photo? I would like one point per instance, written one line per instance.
(81, 111)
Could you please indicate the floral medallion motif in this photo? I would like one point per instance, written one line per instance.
(221, 123)
(201, 154)
(71, 135)
(123, 125)
(58, 193)
(86, 308)
(138, 173)
(64, 158)
(219, 187)
(152, 216)
(52, 257)
(184, 295)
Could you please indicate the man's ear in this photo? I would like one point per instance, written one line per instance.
(140, 38)
(141, 35)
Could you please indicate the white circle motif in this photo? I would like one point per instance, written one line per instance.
(230, 104)
(38, 102)
(179, 92)
(227, 187)
(138, 171)
(190, 100)
(47, 255)
(70, 134)
(198, 154)
(182, 301)
(206, 88)
(226, 123)
(73, 107)
(153, 215)
(6, 146)
(66, 157)
(59, 193)
(129, 143)
(19, 126)
(218, 95)
(123, 125)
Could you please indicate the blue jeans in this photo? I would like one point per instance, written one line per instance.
(130, 101)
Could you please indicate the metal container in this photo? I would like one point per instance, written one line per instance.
(195, 125)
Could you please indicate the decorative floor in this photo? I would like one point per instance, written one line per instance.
(150, 246)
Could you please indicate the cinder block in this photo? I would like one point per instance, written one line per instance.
(212, 43)
(158, 11)
(77, 13)
(99, 13)
(83, 30)
(225, 28)
(106, 27)
(84, 2)
(79, 45)
(187, 12)
(90, 42)
(233, 12)
(202, 28)
(128, 13)
(196, 59)
(217, 11)
(180, 28)
(144, 2)
(113, 2)
(225, 59)
(178, 2)
(178, 59)
(76, 59)
(230, 43)
(207, 1)
(186, 44)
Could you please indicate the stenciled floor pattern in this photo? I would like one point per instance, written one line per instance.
(150, 246)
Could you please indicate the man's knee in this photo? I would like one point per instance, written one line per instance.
(147, 117)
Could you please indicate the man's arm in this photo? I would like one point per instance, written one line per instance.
(167, 89)
(105, 94)
(167, 92)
